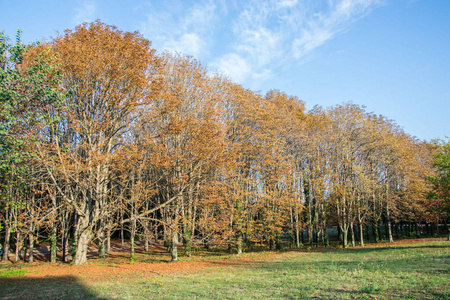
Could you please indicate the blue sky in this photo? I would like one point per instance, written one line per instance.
(393, 56)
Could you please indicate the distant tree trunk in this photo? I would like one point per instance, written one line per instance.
(101, 243)
(75, 236)
(25, 248)
(65, 246)
(339, 233)
(132, 237)
(325, 234)
(65, 226)
(376, 233)
(146, 236)
(108, 241)
(53, 241)
(240, 242)
(389, 228)
(345, 238)
(361, 234)
(31, 247)
(297, 232)
(353, 234)
(174, 246)
(6, 243)
(18, 246)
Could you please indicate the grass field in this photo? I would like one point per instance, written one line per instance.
(412, 271)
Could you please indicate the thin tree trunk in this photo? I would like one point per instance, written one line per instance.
(240, 242)
(361, 234)
(325, 234)
(31, 247)
(132, 237)
(174, 246)
(391, 238)
(53, 245)
(353, 234)
(18, 244)
(25, 248)
(108, 241)
(75, 236)
(6, 243)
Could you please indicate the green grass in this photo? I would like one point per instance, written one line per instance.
(411, 272)
(12, 272)
(420, 271)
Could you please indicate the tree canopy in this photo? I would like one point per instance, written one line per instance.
(102, 136)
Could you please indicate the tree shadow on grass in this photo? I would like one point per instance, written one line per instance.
(57, 287)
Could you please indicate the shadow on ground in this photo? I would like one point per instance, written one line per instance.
(57, 287)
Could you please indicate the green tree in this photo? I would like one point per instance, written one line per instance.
(440, 193)
(28, 84)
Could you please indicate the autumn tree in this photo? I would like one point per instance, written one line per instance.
(109, 74)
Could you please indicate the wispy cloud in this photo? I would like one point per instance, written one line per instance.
(84, 12)
(325, 25)
(250, 39)
(179, 27)
(270, 33)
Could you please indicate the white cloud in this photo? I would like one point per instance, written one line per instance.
(85, 12)
(268, 33)
(327, 24)
(189, 43)
(178, 28)
(287, 3)
(234, 66)
(250, 39)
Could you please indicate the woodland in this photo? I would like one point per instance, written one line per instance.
(102, 137)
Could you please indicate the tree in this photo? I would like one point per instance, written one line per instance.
(440, 194)
(29, 76)
(110, 75)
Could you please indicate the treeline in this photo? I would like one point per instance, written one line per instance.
(101, 135)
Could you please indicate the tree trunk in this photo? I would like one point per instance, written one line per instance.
(132, 245)
(353, 234)
(240, 242)
(18, 246)
(297, 232)
(132, 237)
(53, 245)
(75, 236)
(82, 248)
(376, 233)
(101, 244)
(325, 235)
(31, 247)
(146, 236)
(174, 246)
(361, 234)
(391, 238)
(65, 246)
(344, 237)
(6, 244)
(339, 233)
(108, 241)
(25, 248)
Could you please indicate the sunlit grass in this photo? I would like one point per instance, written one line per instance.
(12, 272)
(418, 272)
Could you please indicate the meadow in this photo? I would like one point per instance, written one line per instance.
(408, 271)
